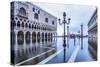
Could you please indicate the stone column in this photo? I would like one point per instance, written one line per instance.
(15, 46)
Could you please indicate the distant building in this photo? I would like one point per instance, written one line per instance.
(31, 27)
(92, 34)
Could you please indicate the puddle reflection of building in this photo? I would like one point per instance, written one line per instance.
(92, 34)
(31, 28)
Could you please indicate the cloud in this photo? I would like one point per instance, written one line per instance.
(79, 14)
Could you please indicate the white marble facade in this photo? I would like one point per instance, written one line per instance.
(92, 34)
(31, 25)
(92, 28)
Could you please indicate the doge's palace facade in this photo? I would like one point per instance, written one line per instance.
(31, 27)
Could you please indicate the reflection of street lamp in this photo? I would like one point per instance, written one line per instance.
(64, 41)
(79, 36)
(68, 32)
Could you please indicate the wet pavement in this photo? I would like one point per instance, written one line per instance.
(82, 55)
(32, 53)
(60, 57)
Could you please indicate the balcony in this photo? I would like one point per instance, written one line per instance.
(23, 16)
(22, 13)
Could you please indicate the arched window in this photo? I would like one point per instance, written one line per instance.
(42, 37)
(35, 26)
(32, 26)
(26, 25)
(22, 24)
(20, 37)
(22, 11)
(29, 25)
(53, 22)
(46, 19)
(38, 12)
(34, 37)
(27, 37)
(38, 37)
(33, 9)
(16, 18)
(49, 37)
(46, 37)
(36, 16)
(18, 24)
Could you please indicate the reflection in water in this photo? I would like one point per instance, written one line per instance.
(83, 55)
(38, 51)
(63, 56)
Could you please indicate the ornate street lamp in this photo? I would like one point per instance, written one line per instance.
(64, 41)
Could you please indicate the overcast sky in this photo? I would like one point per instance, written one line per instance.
(79, 14)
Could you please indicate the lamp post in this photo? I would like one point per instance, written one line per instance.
(81, 36)
(64, 40)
